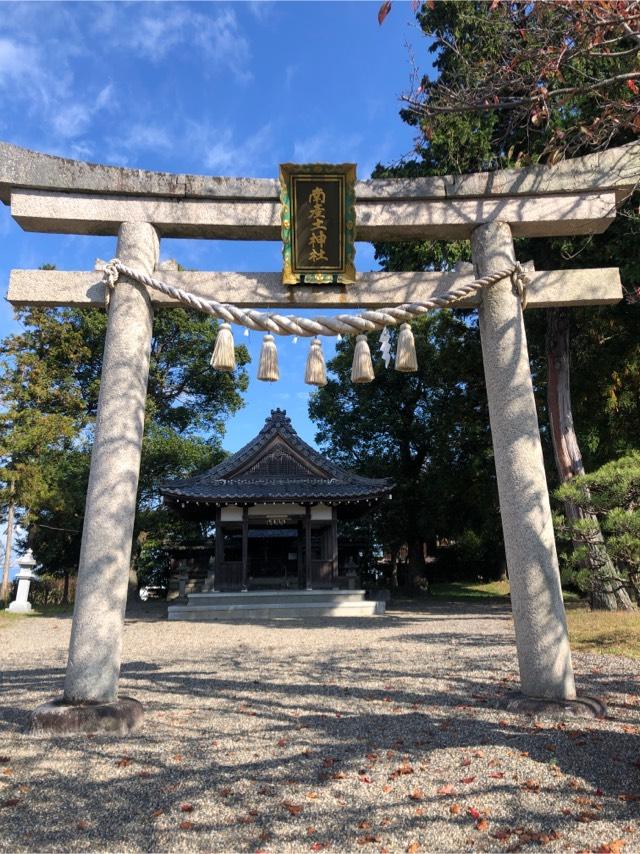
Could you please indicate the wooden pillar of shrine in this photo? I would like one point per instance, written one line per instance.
(334, 546)
(245, 548)
(219, 556)
(307, 551)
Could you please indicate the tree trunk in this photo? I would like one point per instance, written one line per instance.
(416, 564)
(394, 569)
(608, 590)
(8, 547)
(65, 588)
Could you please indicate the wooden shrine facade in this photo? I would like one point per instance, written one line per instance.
(276, 505)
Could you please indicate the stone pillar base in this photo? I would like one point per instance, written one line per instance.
(20, 607)
(582, 707)
(58, 717)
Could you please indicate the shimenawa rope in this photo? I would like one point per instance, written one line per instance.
(341, 324)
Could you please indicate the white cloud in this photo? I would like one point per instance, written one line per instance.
(327, 147)
(72, 120)
(145, 137)
(221, 152)
(15, 60)
(154, 30)
(37, 79)
(261, 9)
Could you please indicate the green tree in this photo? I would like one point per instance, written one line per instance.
(428, 431)
(610, 500)
(511, 89)
(50, 380)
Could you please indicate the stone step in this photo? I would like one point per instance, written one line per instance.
(268, 597)
(273, 610)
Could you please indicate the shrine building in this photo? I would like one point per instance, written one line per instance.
(276, 505)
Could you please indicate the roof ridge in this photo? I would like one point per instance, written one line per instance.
(277, 423)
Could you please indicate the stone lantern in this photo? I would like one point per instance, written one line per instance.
(25, 576)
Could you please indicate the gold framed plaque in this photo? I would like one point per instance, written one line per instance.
(318, 223)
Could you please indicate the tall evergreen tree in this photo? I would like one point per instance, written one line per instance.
(50, 380)
(514, 88)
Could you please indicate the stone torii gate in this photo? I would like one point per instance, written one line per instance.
(51, 194)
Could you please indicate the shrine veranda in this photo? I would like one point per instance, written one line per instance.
(50, 194)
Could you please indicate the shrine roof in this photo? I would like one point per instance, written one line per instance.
(275, 466)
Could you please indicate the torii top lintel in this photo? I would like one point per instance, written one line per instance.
(60, 195)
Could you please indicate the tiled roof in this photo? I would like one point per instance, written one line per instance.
(275, 466)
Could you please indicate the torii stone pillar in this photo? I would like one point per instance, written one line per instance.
(536, 596)
(91, 686)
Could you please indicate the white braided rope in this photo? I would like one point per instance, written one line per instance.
(341, 324)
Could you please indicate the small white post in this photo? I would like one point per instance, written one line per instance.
(536, 596)
(21, 604)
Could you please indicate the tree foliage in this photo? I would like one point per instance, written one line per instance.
(50, 380)
(611, 494)
(427, 431)
(556, 77)
(514, 86)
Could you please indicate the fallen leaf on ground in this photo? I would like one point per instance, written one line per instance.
(417, 795)
(83, 824)
(186, 807)
(11, 802)
(367, 838)
(482, 824)
(413, 847)
(186, 825)
(586, 816)
(454, 809)
(467, 779)
(294, 809)
(501, 834)
(445, 790)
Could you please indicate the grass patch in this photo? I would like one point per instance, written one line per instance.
(473, 590)
(7, 618)
(461, 590)
(612, 632)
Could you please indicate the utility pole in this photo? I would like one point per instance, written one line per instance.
(8, 545)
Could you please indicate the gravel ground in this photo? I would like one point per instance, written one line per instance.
(376, 734)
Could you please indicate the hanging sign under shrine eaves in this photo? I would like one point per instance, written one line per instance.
(318, 223)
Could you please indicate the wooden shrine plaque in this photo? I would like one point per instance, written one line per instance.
(318, 223)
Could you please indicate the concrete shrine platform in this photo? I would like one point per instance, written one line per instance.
(269, 604)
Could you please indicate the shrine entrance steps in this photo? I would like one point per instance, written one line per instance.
(271, 604)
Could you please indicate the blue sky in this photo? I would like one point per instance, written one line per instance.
(212, 88)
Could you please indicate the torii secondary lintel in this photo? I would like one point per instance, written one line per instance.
(65, 196)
